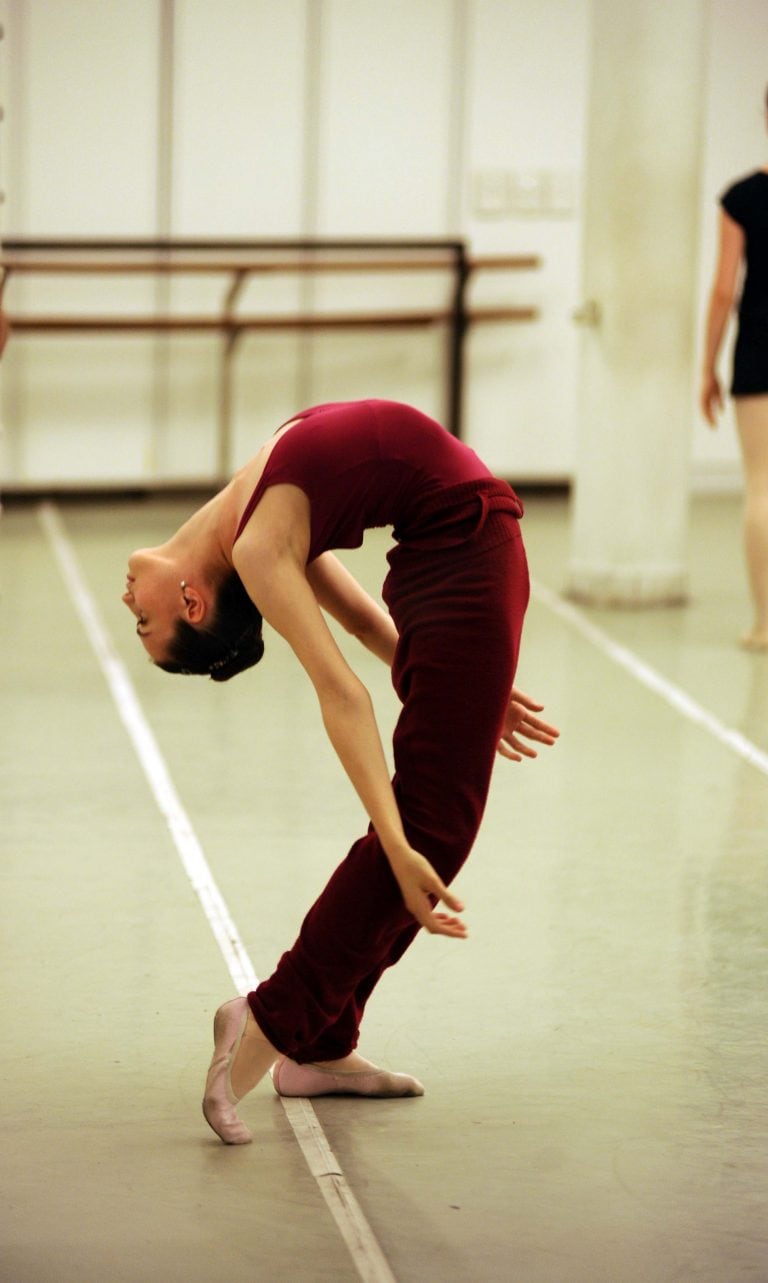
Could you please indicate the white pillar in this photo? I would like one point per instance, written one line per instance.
(630, 501)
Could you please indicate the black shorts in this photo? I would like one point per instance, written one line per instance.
(750, 357)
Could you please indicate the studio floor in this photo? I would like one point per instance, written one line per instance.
(595, 1055)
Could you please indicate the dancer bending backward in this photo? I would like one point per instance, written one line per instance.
(456, 590)
(743, 263)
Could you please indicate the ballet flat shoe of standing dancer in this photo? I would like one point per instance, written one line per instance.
(352, 1076)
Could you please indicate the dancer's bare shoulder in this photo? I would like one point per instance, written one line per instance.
(246, 479)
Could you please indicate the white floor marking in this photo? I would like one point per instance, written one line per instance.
(361, 1242)
(151, 759)
(371, 1263)
(643, 672)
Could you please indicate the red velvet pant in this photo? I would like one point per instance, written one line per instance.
(458, 602)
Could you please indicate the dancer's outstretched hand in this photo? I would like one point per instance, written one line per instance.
(520, 721)
(418, 882)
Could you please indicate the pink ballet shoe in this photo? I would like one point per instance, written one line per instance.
(219, 1101)
(292, 1079)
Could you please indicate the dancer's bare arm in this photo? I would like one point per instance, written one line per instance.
(275, 577)
(341, 595)
(721, 301)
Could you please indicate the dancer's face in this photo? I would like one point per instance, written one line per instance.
(154, 595)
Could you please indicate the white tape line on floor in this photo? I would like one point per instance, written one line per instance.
(649, 677)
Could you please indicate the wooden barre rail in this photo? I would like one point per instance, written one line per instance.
(11, 263)
(236, 324)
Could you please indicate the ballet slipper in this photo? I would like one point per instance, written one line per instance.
(755, 641)
(219, 1101)
(292, 1079)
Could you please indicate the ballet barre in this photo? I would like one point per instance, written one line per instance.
(241, 261)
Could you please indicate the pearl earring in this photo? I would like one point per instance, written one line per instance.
(183, 585)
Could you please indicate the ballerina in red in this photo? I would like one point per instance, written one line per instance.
(456, 594)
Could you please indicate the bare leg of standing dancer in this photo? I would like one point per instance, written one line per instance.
(752, 420)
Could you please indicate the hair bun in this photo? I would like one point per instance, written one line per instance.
(248, 653)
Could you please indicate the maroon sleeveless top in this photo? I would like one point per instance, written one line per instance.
(378, 463)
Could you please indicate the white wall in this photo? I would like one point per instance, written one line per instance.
(525, 125)
(81, 110)
(317, 118)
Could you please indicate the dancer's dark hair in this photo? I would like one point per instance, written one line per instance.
(227, 645)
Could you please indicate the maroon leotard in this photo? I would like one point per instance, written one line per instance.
(369, 463)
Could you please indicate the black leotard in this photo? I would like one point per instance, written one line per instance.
(746, 201)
